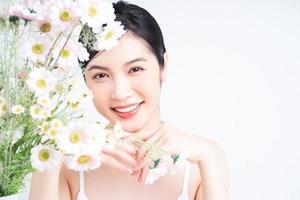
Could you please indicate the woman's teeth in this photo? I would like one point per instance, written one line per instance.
(128, 109)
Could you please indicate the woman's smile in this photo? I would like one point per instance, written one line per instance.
(127, 111)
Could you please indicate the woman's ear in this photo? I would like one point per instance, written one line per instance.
(164, 71)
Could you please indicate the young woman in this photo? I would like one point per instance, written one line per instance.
(126, 82)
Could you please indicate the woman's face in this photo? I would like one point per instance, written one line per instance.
(125, 82)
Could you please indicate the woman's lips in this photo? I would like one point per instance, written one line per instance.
(128, 111)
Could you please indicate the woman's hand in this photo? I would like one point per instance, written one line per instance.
(168, 141)
(205, 153)
(120, 154)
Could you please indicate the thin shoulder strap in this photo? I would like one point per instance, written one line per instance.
(186, 177)
(81, 195)
(81, 182)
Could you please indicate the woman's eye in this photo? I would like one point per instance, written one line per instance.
(135, 69)
(100, 76)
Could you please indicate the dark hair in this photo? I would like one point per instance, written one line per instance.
(141, 23)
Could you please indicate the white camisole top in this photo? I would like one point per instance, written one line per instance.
(183, 196)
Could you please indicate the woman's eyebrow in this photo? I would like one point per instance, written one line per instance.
(97, 67)
(107, 69)
(136, 60)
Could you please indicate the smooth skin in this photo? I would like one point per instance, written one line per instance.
(126, 74)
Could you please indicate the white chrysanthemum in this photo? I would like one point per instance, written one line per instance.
(45, 26)
(83, 161)
(55, 129)
(17, 109)
(44, 100)
(56, 123)
(64, 14)
(36, 48)
(155, 173)
(95, 12)
(41, 81)
(110, 36)
(44, 127)
(75, 137)
(53, 132)
(44, 157)
(80, 136)
(67, 54)
(37, 112)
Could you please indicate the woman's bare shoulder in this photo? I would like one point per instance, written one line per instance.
(195, 173)
(213, 145)
(72, 179)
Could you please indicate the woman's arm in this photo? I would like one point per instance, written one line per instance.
(213, 168)
(49, 185)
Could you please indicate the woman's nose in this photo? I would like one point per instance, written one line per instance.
(121, 89)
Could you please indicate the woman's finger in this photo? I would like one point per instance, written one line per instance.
(143, 174)
(121, 156)
(108, 160)
(126, 146)
(153, 151)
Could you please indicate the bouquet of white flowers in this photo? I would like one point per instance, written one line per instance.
(41, 46)
(42, 121)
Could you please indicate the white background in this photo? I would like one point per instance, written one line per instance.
(235, 77)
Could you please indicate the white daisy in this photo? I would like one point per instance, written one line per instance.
(44, 157)
(53, 132)
(54, 129)
(155, 174)
(109, 37)
(37, 112)
(95, 13)
(45, 26)
(68, 55)
(17, 109)
(44, 100)
(75, 137)
(56, 123)
(83, 161)
(45, 127)
(36, 48)
(41, 81)
(64, 14)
